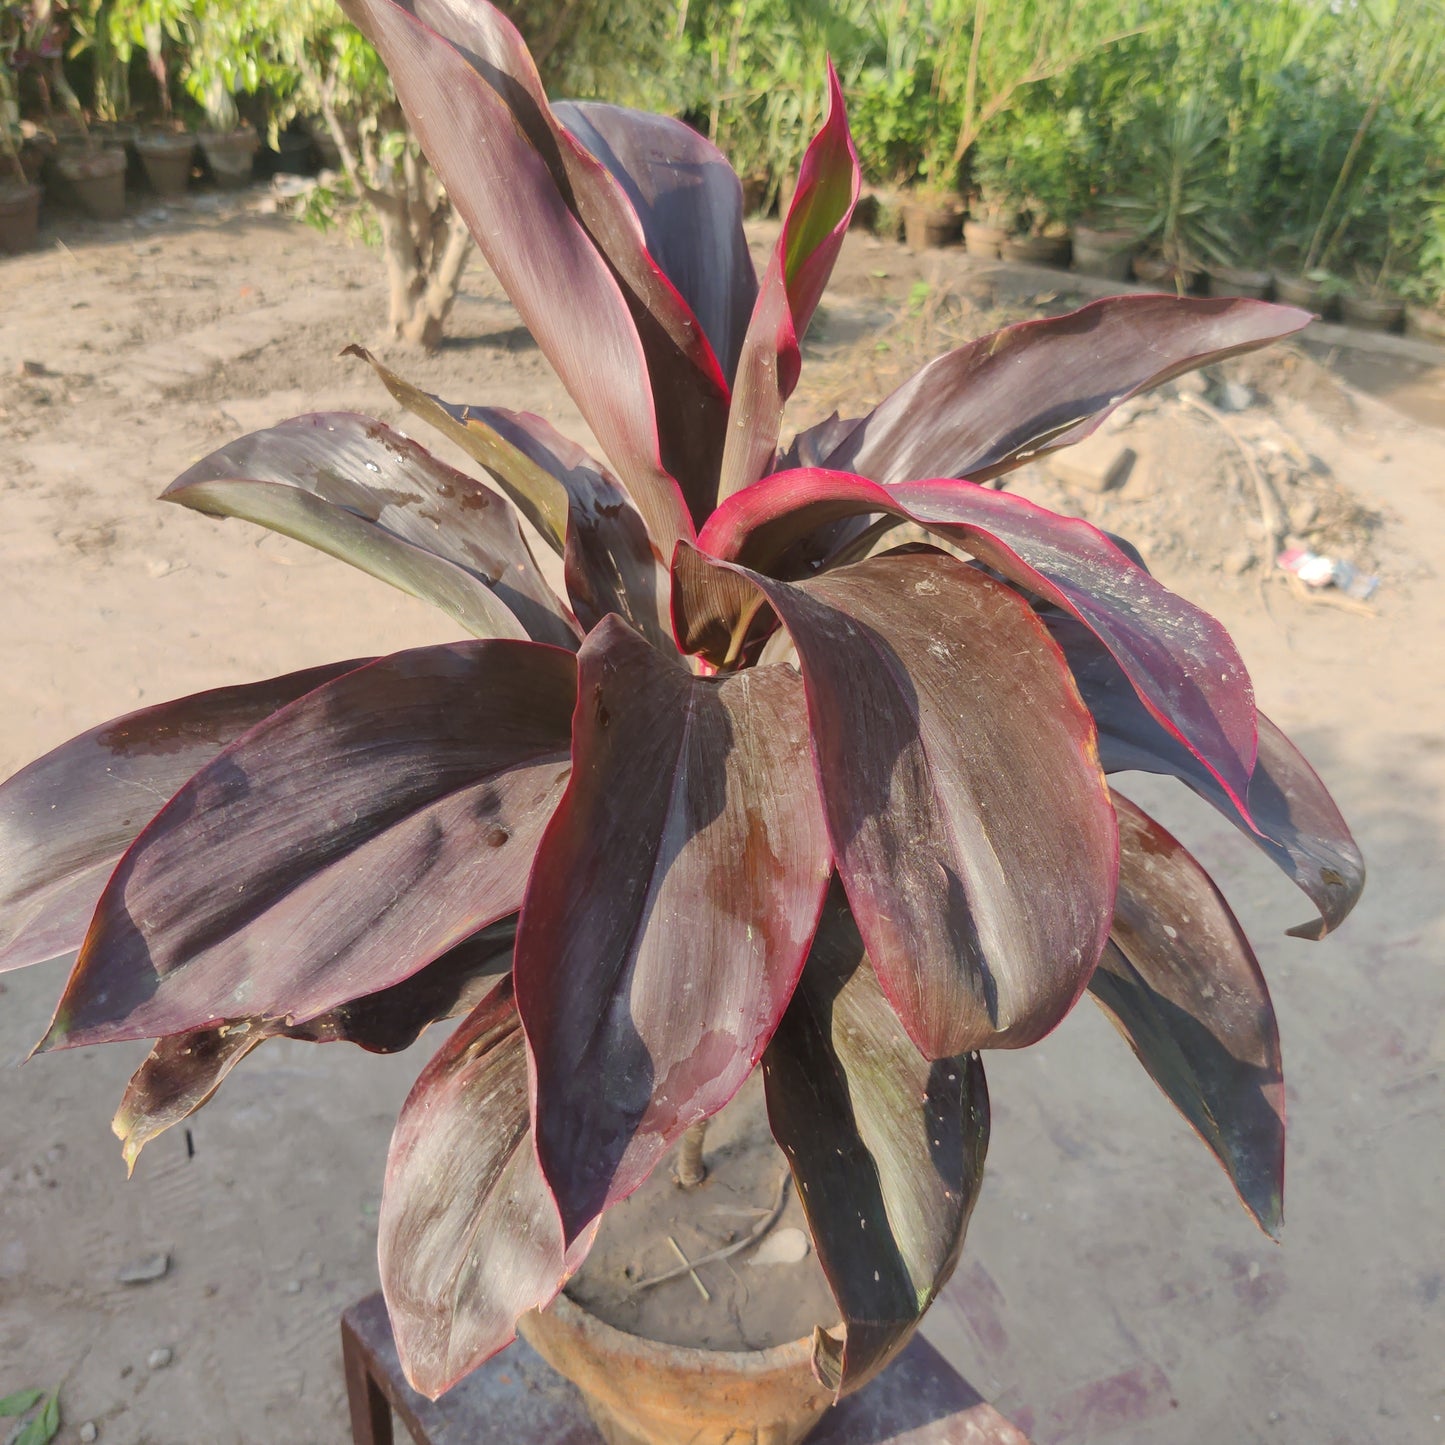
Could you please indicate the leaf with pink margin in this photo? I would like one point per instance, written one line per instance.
(469, 1239)
(1031, 388)
(690, 205)
(183, 1071)
(472, 97)
(66, 819)
(808, 245)
(1181, 661)
(970, 822)
(1180, 982)
(1291, 819)
(355, 489)
(361, 832)
(670, 908)
(886, 1148)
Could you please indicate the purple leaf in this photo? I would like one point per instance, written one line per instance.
(66, 819)
(183, 1071)
(354, 488)
(811, 237)
(469, 1238)
(578, 506)
(690, 203)
(671, 906)
(886, 1148)
(1291, 816)
(567, 247)
(360, 833)
(1181, 984)
(1031, 388)
(1182, 661)
(969, 819)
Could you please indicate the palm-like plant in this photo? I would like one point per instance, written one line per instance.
(761, 786)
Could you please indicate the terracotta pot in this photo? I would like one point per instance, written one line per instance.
(1103, 253)
(1299, 291)
(1156, 271)
(1427, 323)
(230, 155)
(1373, 314)
(167, 156)
(926, 225)
(19, 216)
(639, 1392)
(981, 238)
(96, 180)
(1037, 250)
(1239, 281)
(755, 192)
(35, 150)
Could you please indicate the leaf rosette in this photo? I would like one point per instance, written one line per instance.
(756, 788)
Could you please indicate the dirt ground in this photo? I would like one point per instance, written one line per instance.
(1112, 1289)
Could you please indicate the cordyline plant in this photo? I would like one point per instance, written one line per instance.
(763, 786)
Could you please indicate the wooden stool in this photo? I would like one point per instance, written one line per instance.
(516, 1399)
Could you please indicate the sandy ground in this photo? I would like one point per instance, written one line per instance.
(1112, 1289)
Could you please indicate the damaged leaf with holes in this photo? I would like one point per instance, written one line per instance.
(757, 785)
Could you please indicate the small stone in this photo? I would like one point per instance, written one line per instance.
(33, 368)
(785, 1246)
(1095, 464)
(1192, 383)
(144, 1270)
(292, 1286)
(159, 1358)
(89, 1432)
(1235, 396)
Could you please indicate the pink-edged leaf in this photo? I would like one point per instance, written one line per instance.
(66, 819)
(562, 238)
(886, 1148)
(690, 204)
(808, 245)
(1182, 661)
(469, 1238)
(970, 822)
(1031, 388)
(1180, 982)
(356, 835)
(669, 912)
(183, 1071)
(1291, 817)
(354, 488)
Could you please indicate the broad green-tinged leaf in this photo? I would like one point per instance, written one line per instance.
(1181, 984)
(469, 1237)
(802, 260)
(354, 488)
(690, 204)
(669, 911)
(561, 237)
(1291, 817)
(886, 1147)
(20, 1402)
(66, 819)
(45, 1426)
(575, 502)
(358, 834)
(1182, 662)
(182, 1072)
(1031, 388)
(969, 819)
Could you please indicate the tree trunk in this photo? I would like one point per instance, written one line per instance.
(691, 1171)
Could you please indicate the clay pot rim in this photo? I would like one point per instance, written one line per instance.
(13, 190)
(165, 140)
(1240, 275)
(785, 1357)
(77, 164)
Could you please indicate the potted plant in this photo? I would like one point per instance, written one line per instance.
(1029, 163)
(19, 195)
(761, 787)
(1174, 198)
(1425, 312)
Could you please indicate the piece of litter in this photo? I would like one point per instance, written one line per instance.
(785, 1246)
(1315, 570)
(143, 1271)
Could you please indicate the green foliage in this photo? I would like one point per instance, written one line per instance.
(44, 1424)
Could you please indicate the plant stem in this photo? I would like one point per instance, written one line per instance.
(691, 1171)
